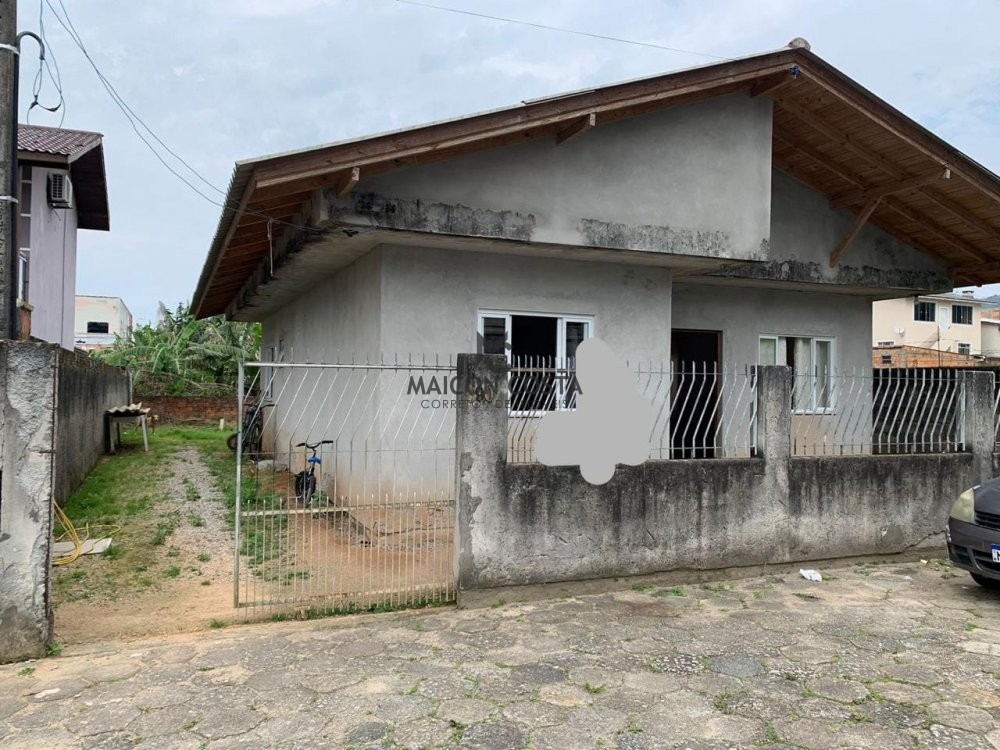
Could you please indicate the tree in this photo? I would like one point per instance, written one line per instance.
(182, 356)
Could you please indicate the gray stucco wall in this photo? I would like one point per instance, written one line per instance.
(743, 314)
(805, 230)
(85, 390)
(51, 428)
(693, 179)
(685, 514)
(528, 523)
(431, 299)
(338, 315)
(27, 432)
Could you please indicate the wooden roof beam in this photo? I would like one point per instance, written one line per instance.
(864, 195)
(839, 138)
(770, 86)
(941, 233)
(347, 181)
(819, 157)
(889, 202)
(579, 127)
(964, 214)
(880, 116)
(859, 222)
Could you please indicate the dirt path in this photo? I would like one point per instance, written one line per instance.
(193, 583)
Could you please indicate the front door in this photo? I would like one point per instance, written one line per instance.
(694, 413)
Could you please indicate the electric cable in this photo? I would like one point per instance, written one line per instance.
(561, 29)
(133, 119)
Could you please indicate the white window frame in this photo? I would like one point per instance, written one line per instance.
(968, 348)
(561, 321)
(955, 307)
(934, 311)
(780, 352)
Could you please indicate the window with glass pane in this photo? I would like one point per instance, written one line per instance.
(965, 349)
(542, 352)
(494, 337)
(768, 351)
(812, 363)
(824, 374)
(23, 273)
(576, 332)
(961, 315)
(924, 311)
(24, 210)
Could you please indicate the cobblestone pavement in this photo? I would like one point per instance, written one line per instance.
(901, 655)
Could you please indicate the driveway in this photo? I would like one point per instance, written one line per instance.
(901, 655)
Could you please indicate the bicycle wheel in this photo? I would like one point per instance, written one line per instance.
(305, 486)
(254, 440)
(232, 441)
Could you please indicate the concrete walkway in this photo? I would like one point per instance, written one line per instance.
(904, 655)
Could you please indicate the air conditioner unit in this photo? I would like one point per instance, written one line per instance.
(60, 190)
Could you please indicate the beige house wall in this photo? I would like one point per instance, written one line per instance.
(892, 320)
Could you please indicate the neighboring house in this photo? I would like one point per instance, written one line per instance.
(929, 330)
(63, 189)
(744, 212)
(99, 320)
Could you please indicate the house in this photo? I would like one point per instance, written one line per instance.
(63, 189)
(748, 211)
(931, 330)
(99, 320)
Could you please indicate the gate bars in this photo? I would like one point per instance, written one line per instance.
(377, 531)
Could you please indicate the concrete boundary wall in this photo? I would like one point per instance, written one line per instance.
(51, 434)
(528, 523)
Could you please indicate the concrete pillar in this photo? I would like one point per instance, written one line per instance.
(774, 413)
(978, 426)
(27, 439)
(481, 458)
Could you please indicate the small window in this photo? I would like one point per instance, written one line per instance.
(24, 210)
(886, 359)
(813, 365)
(924, 311)
(23, 273)
(542, 349)
(965, 349)
(94, 326)
(961, 315)
(885, 343)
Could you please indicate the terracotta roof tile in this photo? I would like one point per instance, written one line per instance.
(57, 141)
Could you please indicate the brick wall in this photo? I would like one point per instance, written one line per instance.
(915, 356)
(192, 410)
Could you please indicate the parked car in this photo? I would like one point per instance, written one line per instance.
(973, 533)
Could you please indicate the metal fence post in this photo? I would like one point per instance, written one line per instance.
(241, 384)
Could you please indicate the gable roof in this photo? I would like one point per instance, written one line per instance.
(828, 131)
(82, 153)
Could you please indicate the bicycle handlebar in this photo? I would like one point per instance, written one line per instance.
(314, 446)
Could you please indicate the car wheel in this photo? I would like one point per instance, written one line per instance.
(986, 583)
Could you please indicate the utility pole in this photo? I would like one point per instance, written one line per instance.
(8, 169)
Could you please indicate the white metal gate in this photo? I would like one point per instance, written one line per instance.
(372, 525)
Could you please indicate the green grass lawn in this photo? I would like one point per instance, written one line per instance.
(129, 496)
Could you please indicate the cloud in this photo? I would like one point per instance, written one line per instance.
(230, 79)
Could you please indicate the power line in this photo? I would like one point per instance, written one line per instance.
(43, 68)
(134, 120)
(561, 29)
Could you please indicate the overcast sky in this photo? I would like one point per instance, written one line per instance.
(223, 80)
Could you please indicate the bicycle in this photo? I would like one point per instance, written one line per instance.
(253, 430)
(305, 480)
